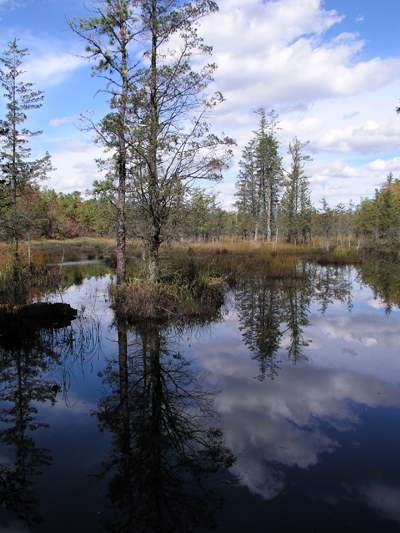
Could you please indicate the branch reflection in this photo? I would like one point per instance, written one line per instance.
(29, 348)
(165, 446)
(276, 312)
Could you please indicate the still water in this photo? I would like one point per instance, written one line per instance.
(280, 414)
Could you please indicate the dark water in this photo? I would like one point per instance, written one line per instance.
(279, 414)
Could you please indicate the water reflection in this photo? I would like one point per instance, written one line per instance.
(36, 343)
(27, 352)
(382, 275)
(276, 313)
(165, 443)
(292, 420)
(321, 432)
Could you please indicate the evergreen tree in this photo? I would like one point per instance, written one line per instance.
(296, 204)
(116, 21)
(260, 177)
(17, 172)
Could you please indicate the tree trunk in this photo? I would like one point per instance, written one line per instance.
(153, 258)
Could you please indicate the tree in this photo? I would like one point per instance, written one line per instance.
(157, 124)
(17, 173)
(115, 21)
(379, 219)
(295, 203)
(260, 177)
(326, 222)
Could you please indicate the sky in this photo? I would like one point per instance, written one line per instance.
(329, 68)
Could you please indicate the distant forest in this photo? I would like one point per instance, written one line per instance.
(370, 224)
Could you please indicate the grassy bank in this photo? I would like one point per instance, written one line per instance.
(194, 276)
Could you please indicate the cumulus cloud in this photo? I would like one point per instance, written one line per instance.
(364, 329)
(281, 424)
(76, 167)
(385, 165)
(302, 127)
(383, 498)
(283, 56)
(367, 138)
(333, 170)
(52, 68)
(75, 146)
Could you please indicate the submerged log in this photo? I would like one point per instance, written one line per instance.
(39, 310)
(20, 324)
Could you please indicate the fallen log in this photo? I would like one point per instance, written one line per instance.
(38, 310)
(20, 324)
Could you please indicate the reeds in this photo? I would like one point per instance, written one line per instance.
(142, 299)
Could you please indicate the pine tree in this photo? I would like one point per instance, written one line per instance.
(260, 177)
(295, 203)
(18, 173)
(117, 22)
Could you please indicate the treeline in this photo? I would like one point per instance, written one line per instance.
(372, 223)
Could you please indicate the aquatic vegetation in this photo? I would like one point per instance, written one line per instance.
(145, 299)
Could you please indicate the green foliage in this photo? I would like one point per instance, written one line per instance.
(378, 219)
(295, 214)
(18, 173)
(260, 179)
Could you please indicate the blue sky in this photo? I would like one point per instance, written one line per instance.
(331, 69)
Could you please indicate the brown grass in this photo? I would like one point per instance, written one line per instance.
(143, 299)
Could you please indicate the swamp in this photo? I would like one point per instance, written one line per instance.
(275, 408)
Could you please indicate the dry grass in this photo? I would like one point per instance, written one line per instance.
(142, 299)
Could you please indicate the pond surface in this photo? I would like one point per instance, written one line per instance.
(280, 414)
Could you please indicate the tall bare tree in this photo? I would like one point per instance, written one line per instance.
(108, 31)
(161, 136)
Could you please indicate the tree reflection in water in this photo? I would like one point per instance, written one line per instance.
(164, 445)
(31, 350)
(382, 275)
(273, 311)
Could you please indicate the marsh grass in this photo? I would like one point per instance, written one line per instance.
(193, 276)
(232, 262)
(142, 299)
(55, 251)
(20, 281)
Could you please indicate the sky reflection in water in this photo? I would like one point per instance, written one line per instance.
(308, 402)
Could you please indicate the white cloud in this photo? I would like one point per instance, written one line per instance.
(385, 165)
(359, 18)
(76, 167)
(366, 330)
(384, 498)
(63, 120)
(370, 137)
(301, 128)
(281, 54)
(336, 169)
(75, 146)
(351, 115)
(278, 424)
(52, 68)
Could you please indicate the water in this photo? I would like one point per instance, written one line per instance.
(285, 405)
